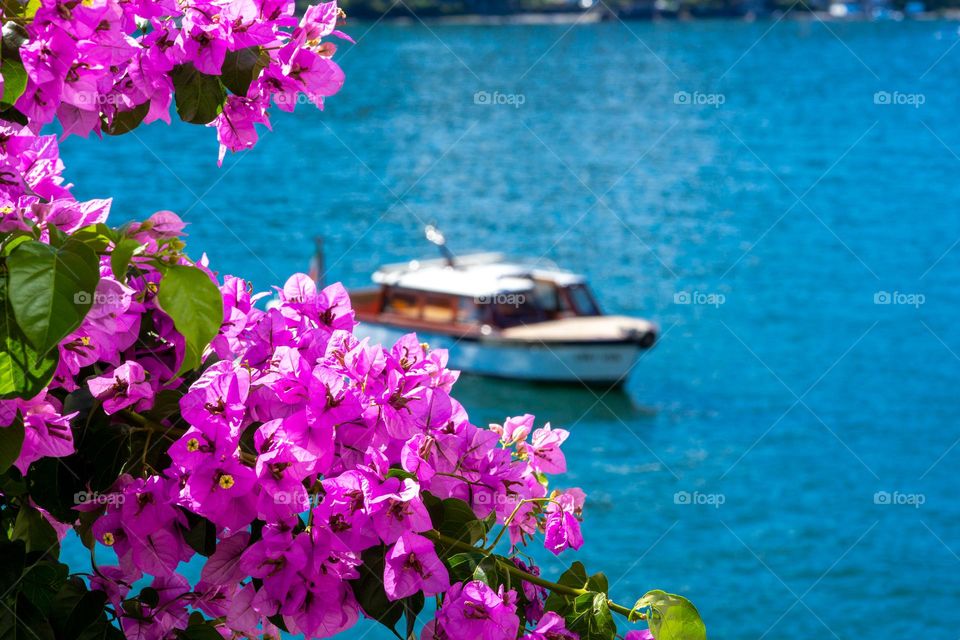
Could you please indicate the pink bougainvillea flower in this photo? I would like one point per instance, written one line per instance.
(562, 528)
(546, 456)
(412, 565)
(474, 610)
(551, 627)
(514, 430)
(235, 125)
(125, 386)
(396, 508)
(46, 431)
(644, 634)
(217, 400)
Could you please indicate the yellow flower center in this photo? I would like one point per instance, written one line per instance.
(108, 539)
(193, 445)
(226, 481)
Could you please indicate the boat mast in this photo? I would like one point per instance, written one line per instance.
(317, 266)
(436, 237)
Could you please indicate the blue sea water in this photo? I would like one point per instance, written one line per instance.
(786, 456)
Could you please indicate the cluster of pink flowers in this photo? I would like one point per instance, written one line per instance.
(302, 445)
(89, 62)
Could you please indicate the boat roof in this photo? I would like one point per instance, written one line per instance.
(474, 275)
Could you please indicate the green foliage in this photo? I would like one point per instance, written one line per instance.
(194, 303)
(34, 530)
(201, 535)
(454, 519)
(369, 591)
(127, 121)
(672, 617)
(589, 617)
(53, 484)
(14, 81)
(41, 602)
(11, 441)
(24, 371)
(241, 68)
(51, 289)
(199, 97)
(120, 257)
(588, 612)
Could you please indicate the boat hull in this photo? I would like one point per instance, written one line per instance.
(585, 362)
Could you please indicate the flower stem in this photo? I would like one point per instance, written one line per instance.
(516, 571)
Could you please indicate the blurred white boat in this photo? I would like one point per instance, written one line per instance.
(502, 318)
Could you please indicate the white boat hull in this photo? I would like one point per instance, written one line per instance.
(547, 361)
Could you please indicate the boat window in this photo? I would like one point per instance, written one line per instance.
(438, 309)
(468, 312)
(401, 303)
(517, 310)
(582, 300)
(546, 295)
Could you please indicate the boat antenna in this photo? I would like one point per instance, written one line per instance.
(436, 237)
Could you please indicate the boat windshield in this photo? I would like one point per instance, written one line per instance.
(582, 300)
(517, 309)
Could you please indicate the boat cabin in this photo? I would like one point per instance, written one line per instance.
(480, 293)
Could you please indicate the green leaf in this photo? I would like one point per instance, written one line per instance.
(96, 236)
(120, 257)
(193, 301)
(672, 617)
(598, 582)
(75, 609)
(34, 530)
(487, 572)
(241, 68)
(15, 242)
(455, 519)
(165, 404)
(204, 631)
(104, 448)
(396, 472)
(24, 372)
(576, 577)
(51, 289)
(202, 535)
(24, 621)
(14, 80)
(126, 121)
(590, 617)
(199, 97)
(11, 441)
(149, 596)
(41, 582)
(369, 590)
(54, 485)
(461, 566)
